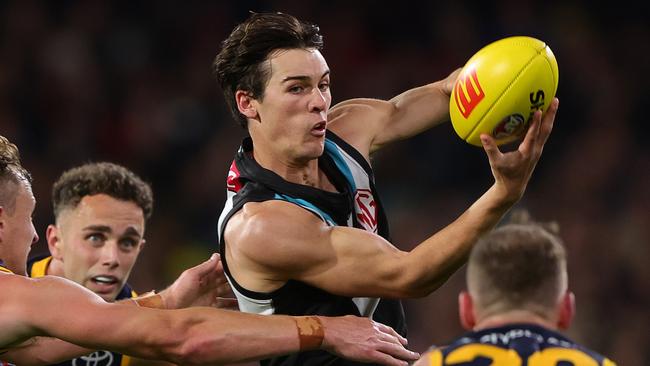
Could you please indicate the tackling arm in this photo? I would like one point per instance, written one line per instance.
(187, 336)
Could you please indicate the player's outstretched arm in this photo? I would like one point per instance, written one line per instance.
(188, 336)
(201, 285)
(369, 124)
(353, 262)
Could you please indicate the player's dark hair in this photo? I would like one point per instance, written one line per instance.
(11, 173)
(101, 178)
(240, 63)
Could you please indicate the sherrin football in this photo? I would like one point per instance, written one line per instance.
(501, 87)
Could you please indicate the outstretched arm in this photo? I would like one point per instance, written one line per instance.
(321, 255)
(369, 124)
(187, 336)
(202, 285)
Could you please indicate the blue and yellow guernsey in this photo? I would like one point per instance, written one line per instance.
(515, 345)
(37, 267)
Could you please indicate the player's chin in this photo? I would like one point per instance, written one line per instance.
(313, 146)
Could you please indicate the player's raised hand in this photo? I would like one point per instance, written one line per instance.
(201, 285)
(364, 340)
(512, 170)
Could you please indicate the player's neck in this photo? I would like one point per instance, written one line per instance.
(54, 268)
(305, 172)
(514, 317)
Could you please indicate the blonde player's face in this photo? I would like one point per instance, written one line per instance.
(17, 229)
(98, 242)
(293, 111)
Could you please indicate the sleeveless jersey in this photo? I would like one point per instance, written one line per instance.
(37, 267)
(515, 345)
(356, 204)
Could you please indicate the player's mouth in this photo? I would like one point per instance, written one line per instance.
(319, 129)
(104, 283)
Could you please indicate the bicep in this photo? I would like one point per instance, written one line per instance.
(354, 262)
(370, 124)
(341, 260)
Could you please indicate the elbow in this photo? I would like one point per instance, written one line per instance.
(413, 289)
(410, 281)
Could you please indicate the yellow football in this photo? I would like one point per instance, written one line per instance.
(501, 87)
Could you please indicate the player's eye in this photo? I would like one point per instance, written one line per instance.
(95, 238)
(296, 89)
(324, 86)
(128, 243)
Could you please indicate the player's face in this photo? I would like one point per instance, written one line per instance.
(18, 233)
(98, 242)
(293, 112)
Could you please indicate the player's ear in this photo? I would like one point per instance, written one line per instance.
(566, 311)
(466, 310)
(245, 104)
(54, 243)
(142, 243)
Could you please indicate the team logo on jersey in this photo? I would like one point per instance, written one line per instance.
(98, 358)
(366, 209)
(233, 183)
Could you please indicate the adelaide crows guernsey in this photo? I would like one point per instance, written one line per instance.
(356, 204)
(37, 267)
(515, 345)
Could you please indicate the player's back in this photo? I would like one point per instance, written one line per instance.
(515, 345)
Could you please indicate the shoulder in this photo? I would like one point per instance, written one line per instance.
(358, 112)
(273, 225)
(358, 121)
(257, 218)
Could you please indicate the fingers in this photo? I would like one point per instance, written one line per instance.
(549, 120)
(490, 147)
(384, 359)
(531, 134)
(391, 343)
(539, 129)
(386, 329)
(397, 351)
(210, 267)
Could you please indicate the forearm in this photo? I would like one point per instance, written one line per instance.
(429, 265)
(44, 351)
(229, 337)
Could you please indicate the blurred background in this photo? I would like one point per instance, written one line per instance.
(130, 82)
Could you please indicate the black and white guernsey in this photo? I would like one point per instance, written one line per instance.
(355, 204)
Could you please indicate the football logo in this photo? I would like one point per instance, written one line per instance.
(468, 93)
(512, 125)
